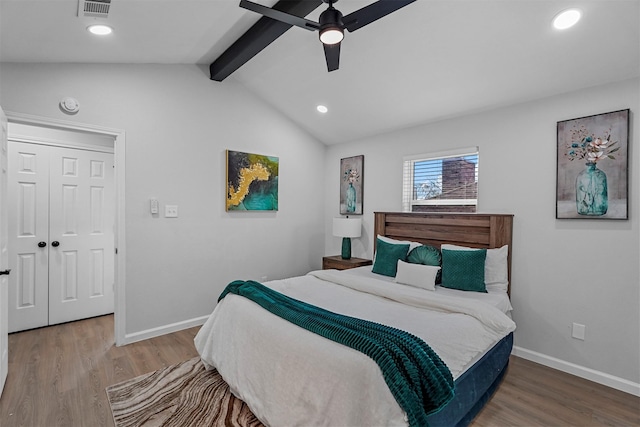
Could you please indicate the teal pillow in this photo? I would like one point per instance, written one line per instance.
(387, 256)
(464, 270)
(427, 255)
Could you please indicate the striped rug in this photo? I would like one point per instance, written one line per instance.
(179, 395)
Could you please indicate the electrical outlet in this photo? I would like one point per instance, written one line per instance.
(578, 331)
(171, 211)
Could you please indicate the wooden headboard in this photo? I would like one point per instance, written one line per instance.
(464, 229)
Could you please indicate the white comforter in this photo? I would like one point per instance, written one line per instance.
(291, 377)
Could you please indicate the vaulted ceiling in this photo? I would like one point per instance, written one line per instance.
(430, 60)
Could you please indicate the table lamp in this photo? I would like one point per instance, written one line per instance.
(346, 228)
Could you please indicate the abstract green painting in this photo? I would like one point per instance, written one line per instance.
(252, 182)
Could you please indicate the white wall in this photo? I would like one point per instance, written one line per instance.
(564, 271)
(178, 125)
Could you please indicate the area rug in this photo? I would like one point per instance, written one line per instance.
(179, 395)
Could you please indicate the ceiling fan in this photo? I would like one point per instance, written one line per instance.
(332, 24)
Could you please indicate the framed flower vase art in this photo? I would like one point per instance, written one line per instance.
(351, 185)
(252, 182)
(592, 167)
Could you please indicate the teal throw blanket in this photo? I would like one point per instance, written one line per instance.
(420, 382)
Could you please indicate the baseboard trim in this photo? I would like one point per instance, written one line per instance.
(579, 371)
(163, 330)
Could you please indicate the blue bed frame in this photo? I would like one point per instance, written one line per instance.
(474, 387)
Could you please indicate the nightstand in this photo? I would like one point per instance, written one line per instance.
(338, 263)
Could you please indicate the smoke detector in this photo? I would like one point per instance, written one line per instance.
(94, 8)
(69, 105)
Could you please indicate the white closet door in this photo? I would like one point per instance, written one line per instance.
(28, 227)
(81, 240)
(62, 238)
(4, 254)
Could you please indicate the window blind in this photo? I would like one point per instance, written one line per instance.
(438, 182)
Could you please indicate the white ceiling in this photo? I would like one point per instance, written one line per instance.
(430, 60)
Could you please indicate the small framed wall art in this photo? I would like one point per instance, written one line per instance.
(592, 167)
(351, 185)
(252, 182)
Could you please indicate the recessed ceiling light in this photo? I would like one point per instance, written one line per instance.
(321, 108)
(566, 19)
(99, 29)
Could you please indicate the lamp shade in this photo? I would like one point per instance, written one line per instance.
(347, 227)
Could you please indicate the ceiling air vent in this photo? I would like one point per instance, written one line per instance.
(94, 8)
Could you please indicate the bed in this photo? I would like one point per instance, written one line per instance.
(289, 375)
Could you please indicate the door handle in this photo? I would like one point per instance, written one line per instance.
(2, 273)
(42, 244)
(55, 243)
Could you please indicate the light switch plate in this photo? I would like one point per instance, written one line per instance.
(171, 211)
(578, 331)
(154, 206)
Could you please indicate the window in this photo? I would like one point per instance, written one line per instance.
(441, 182)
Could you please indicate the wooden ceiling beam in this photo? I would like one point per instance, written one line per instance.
(258, 37)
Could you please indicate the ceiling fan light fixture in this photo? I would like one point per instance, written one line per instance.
(331, 35)
(331, 26)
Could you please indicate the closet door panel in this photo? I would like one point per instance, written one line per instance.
(81, 222)
(28, 189)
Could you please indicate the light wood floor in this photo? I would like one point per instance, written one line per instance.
(58, 375)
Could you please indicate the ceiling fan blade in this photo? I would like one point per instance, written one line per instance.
(332, 55)
(279, 16)
(373, 12)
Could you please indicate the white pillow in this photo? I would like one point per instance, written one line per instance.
(496, 267)
(417, 275)
(412, 245)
